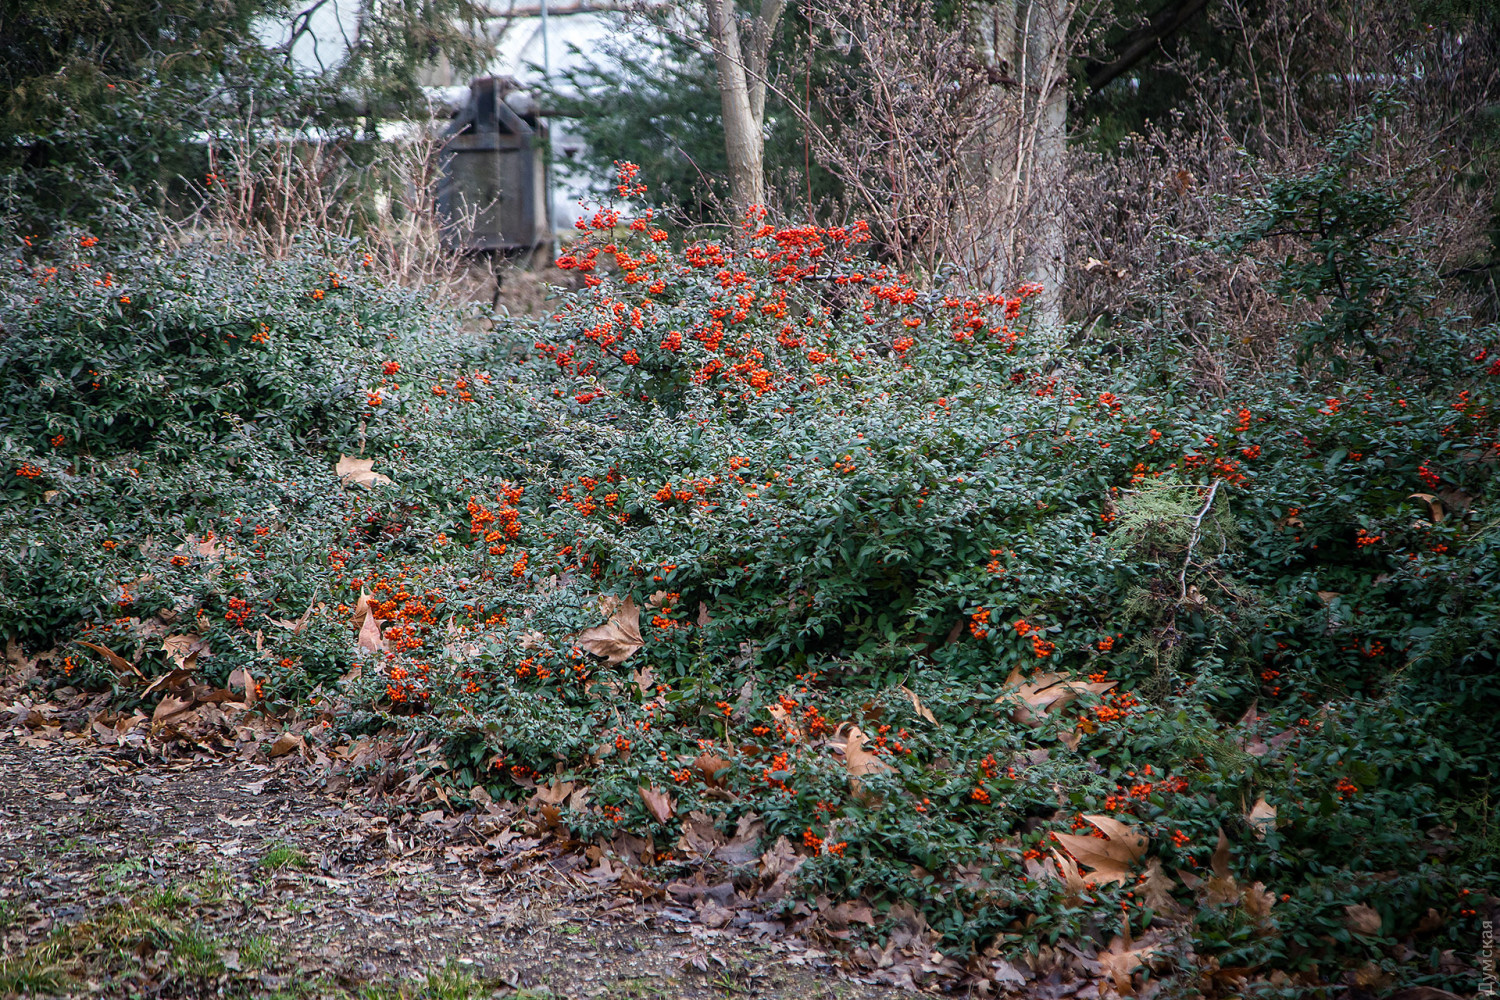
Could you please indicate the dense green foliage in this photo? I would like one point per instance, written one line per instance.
(839, 501)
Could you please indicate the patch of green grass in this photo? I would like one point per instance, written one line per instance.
(146, 934)
(451, 982)
(120, 874)
(259, 951)
(167, 900)
(39, 969)
(281, 856)
(10, 914)
(196, 955)
(639, 988)
(214, 885)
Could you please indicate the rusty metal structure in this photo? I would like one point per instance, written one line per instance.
(494, 192)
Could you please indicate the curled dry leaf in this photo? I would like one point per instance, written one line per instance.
(644, 679)
(297, 626)
(916, 704)
(184, 650)
(207, 548)
(172, 680)
(784, 718)
(1221, 889)
(617, 639)
(1047, 692)
(709, 766)
(114, 659)
(658, 804)
(284, 744)
(1362, 919)
(859, 761)
(1434, 506)
(360, 471)
(370, 637)
(240, 678)
(1067, 870)
(1220, 861)
(1261, 817)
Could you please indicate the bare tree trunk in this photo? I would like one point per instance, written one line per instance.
(742, 67)
(1018, 172)
(1045, 79)
(992, 176)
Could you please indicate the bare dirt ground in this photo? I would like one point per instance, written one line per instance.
(128, 875)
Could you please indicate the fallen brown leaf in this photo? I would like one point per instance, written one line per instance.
(284, 744)
(1067, 870)
(1434, 506)
(242, 679)
(709, 766)
(1120, 960)
(184, 650)
(1112, 859)
(170, 706)
(917, 706)
(859, 761)
(1362, 919)
(360, 471)
(114, 659)
(1261, 817)
(617, 639)
(369, 634)
(657, 802)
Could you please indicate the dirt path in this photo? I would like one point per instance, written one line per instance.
(123, 876)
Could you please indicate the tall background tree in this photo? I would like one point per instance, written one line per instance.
(741, 53)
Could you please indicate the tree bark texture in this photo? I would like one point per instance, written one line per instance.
(1019, 171)
(741, 60)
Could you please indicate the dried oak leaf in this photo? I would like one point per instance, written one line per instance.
(617, 639)
(1157, 890)
(1120, 960)
(170, 707)
(1112, 859)
(185, 649)
(358, 470)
